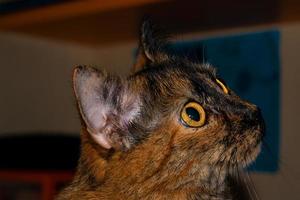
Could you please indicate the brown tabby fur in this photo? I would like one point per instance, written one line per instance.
(153, 155)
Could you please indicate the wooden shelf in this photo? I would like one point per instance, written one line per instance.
(99, 22)
(62, 11)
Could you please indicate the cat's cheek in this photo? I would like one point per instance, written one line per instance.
(183, 132)
(190, 139)
(198, 137)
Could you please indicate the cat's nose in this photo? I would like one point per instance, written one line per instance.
(254, 115)
(254, 118)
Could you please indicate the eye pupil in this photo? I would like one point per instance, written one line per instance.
(193, 113)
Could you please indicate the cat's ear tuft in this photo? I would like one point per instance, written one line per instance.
(106, 106)
(152, 47)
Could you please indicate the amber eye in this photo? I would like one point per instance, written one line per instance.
(222, 85)
(193, 115)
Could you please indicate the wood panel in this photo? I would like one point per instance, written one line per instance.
(106, 23)
(65, 10)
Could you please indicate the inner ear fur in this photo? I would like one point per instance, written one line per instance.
(107, 106)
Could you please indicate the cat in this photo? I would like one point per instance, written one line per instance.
(171, 130)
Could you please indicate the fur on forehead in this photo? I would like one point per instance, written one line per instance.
(181, 67)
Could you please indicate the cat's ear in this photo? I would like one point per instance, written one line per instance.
(152, 47)
(106, 106)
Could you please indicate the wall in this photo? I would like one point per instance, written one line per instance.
(35, 81)
(286, 183)
(36, 94)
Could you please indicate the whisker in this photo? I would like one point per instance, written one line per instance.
(245, 184)
(286, 172)
(252, 185)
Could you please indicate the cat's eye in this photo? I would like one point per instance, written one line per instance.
(222, 85)
(193, 115)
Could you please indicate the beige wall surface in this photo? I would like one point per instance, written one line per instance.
(35, 81)
(36, 93)
(286, 183)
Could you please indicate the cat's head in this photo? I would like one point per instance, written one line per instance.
(168, 95)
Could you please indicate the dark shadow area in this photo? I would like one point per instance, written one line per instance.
(36, 151)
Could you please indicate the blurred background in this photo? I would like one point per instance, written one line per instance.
(255, 44)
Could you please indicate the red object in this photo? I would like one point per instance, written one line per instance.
(49, 181)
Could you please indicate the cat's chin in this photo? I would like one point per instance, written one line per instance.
(251, 157)
(246, 150)
(248, 155)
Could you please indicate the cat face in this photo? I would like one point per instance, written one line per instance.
(175, 96)
(167, 95)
